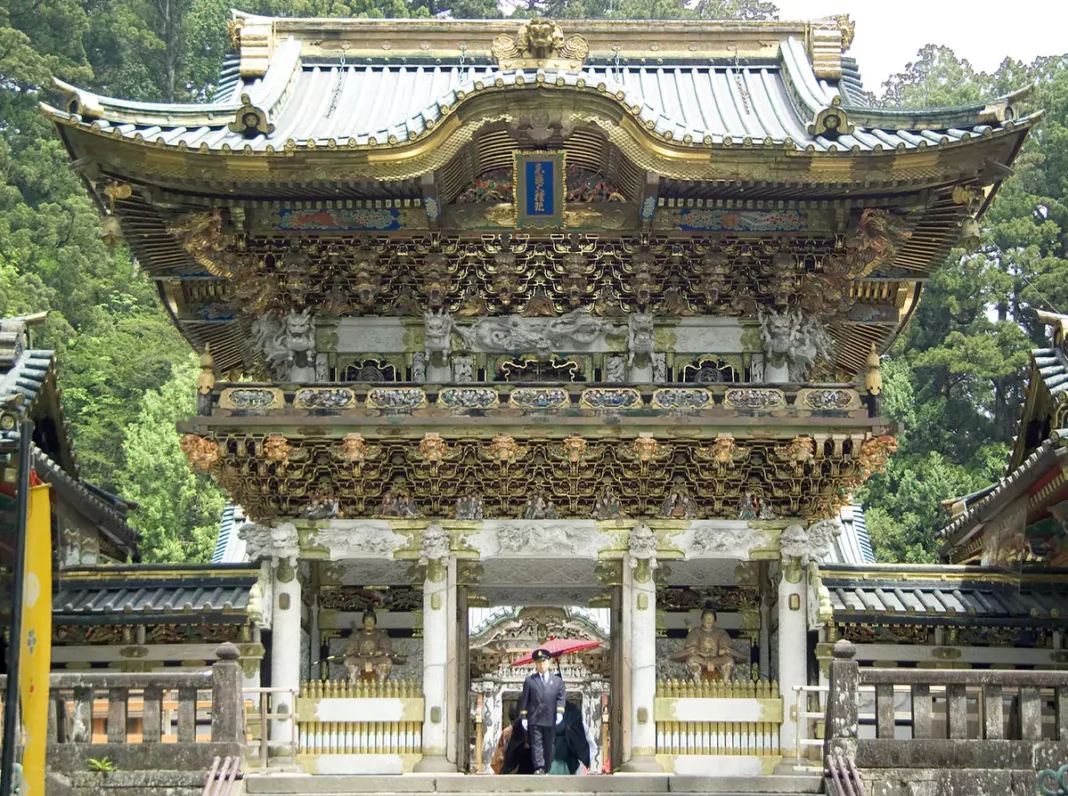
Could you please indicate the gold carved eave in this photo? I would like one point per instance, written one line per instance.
(651, 476)
(742, 160)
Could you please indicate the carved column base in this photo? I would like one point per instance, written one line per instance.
(642, 764)
(434, 764)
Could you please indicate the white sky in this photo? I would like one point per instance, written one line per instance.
(889, 34)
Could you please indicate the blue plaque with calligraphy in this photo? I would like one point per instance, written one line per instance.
(540, 189)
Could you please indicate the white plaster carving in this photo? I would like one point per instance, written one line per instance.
(438, 333)
(435, 545)
(642, 544)
(260, 604)
(719, 542)
(810, 545)
(794, 340)
(574, 331)
(274, 544)
(555, 539)
(615, 369)
(463, 370)
(349, 539)
(322, 368)
(286, 344)
(659, 367)
(419, 367)
(641, 336)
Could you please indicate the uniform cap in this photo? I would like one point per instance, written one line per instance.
(541, 655)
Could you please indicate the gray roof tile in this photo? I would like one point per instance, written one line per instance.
(124, 594)
(881, 594)
(335, 103)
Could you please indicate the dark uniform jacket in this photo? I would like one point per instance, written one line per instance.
(540, 701)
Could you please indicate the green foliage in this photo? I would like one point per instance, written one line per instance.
(955, 378)
(179, 509)
(102, 765)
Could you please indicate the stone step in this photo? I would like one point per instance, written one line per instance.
(616, 785)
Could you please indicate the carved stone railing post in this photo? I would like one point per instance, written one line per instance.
(83, 714)
(842, 706)
(227, 724)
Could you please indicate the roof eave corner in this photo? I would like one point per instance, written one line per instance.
(828, 40)
(253, 39)
(78, 101)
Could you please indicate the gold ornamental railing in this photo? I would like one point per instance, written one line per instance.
(713, 718)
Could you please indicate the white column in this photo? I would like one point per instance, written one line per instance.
(285, 654)
(793, 647)
(452, 675)
(435, 652)
(640, 564)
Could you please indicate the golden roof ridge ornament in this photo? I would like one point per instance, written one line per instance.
(540, 43)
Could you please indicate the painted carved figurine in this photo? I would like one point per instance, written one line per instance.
(539, 507)
(608, 506)
(369, 653)
(708, 652)
(679, 504)
(397, 502)
(469, 506)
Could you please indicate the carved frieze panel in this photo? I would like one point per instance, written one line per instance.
(690, 479)
(502, 274)
(348, 540)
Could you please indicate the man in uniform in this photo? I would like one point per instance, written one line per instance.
(541, 708)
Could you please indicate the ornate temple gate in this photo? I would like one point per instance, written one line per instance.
(583, 319)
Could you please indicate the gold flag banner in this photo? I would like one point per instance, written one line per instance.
(36, 640)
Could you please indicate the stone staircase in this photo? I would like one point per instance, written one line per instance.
(460, 785)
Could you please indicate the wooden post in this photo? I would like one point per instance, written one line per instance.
(478, 733)
(606, 746)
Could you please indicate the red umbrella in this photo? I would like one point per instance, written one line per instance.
(559, 646)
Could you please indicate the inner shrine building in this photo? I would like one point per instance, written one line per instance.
(512, 330)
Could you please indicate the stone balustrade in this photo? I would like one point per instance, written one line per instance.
(154, 721)
(944, 731)
(731, 727)
(359, 728)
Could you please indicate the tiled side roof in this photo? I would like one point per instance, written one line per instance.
(852, 545)
(108, 516)
(1011, 486)
(29, 370)
(229, 547)
(937, 594)
(136, 594)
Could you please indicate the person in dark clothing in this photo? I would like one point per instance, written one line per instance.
(541, 707)
(513, 748)
(572, 746)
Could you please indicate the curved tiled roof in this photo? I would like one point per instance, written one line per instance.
(333, 104)
(920, 595)
(125, 594)
(1055, 447)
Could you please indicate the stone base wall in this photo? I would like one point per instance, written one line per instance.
(940, 782)
(141, 769)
